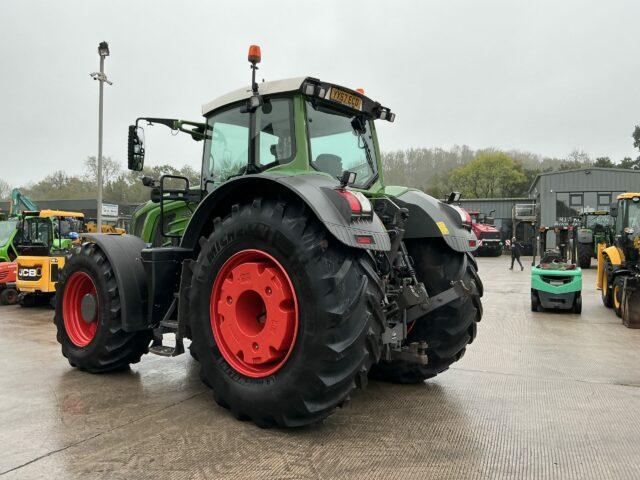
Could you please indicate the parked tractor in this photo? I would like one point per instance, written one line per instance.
(44, 239)
(619, 264)
(594, 229)
(489, 237)
(294, 270)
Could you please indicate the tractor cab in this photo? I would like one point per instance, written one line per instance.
(280, 128)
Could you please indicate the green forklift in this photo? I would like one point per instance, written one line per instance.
(556, 282)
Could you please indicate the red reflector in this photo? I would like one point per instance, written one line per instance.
(472, 243)
(364, 239)
(354, 203)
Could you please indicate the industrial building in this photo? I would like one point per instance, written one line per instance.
(562, 196)
(556, 198)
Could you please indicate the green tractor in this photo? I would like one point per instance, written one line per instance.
(594, 229)
(293, 269)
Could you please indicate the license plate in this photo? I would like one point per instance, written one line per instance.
(345, 98)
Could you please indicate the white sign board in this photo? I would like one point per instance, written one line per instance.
(109, 210)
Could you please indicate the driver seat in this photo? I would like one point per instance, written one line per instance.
(329, 163)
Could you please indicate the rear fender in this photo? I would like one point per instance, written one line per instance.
(315, 190)
(123, 253)
(431, 218)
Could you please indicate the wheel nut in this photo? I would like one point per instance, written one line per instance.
(229, 300)
(255, 346)
(268, 290)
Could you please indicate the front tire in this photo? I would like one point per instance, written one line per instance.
(326, 342)
(585, 252)
(616, 295)
(447, 330)
(607, 288)
(88, 316)
(8, 296)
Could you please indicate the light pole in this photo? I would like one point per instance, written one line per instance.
(103, 51)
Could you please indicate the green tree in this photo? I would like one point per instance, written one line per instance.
(603, 162)
(629, 163)
(490, 174)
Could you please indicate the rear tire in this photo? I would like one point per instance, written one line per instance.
(100, 345)
(585, 253)
(448, 329)
(27, 300)
(339, 322)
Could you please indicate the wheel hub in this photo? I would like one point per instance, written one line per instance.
(88, 307)
(254, 313)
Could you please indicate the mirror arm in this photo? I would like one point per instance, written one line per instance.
(197, 133)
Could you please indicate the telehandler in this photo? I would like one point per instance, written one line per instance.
(619, 264)
(294, 270)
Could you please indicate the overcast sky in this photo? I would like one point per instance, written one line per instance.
(544, 76)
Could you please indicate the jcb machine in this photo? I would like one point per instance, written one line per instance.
(556, 282)
(619, 264)
(294, 270)
(44, 239)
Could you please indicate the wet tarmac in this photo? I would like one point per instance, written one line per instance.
(538, 395)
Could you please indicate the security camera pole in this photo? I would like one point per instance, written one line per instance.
(103, 51)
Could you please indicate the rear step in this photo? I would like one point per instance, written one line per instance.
(167, 325)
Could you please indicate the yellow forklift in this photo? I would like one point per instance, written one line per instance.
(619, 264)
(44, 240)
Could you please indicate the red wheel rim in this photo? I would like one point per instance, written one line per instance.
(79, 330)
(254, 313)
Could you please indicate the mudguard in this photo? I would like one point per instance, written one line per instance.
(316, 190)
(123, 253)
(431, 218)
(614, 255)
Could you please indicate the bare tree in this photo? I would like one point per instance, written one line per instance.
(5, 189)
(110, 170)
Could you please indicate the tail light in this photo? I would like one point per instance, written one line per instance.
(358, 203)
(464, 216)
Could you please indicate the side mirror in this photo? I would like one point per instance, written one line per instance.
(148, 181)
(135, 148)
(613, 209)
(454, 197)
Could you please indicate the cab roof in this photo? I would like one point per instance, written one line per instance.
(264, 88)
(52, 213)
(627, 195)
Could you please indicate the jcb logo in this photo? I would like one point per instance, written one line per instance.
(30, 273)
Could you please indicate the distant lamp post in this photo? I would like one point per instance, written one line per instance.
(103, 51)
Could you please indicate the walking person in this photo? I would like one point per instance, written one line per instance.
(515, 253)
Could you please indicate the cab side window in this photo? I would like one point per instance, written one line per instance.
(274, 126)
(226, 151)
